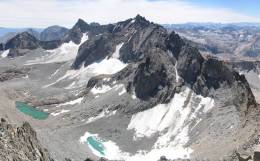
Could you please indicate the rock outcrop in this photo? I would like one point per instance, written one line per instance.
(20, 143)
(13, 73)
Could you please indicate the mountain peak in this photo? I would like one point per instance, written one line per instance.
(139, 18)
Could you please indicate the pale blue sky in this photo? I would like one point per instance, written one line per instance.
(248, 7)
(42, 13)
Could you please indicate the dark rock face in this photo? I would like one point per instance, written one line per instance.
(77, 31)
(53, 33)
(1, 46)
(163, 64)
(20, 144)
(23, 41)
(49, 45)
(95, 49)
(34, 33)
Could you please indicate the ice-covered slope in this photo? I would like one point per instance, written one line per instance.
(66, 52)
(109, 65)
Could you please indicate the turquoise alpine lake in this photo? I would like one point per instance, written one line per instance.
(31, 111)
(96, 144)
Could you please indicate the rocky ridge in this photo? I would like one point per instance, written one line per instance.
(20, 143)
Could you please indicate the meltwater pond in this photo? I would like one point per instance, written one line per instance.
(31, 111)
(96, 144)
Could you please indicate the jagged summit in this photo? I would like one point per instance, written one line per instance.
(82, 25)
(140, 19)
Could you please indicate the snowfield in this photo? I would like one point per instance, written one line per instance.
(5, 53)
(58, 113)
(73, 102)
(67, 51)
(172, 120)
(110, 65)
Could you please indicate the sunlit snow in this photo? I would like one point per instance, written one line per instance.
(105, 88)
(104, 113)
(67, 51)
(110, 65)
(5, 53)
(176, 72)
(73, 102)
(60, 112)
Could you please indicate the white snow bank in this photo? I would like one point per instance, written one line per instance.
(116, 54)
(73, 102)
(171, 120)
(53, 74)
(171, 115)
(176, 72)
(58, 113)
(104, 113)
(105, 88)
(66, 52)
(99, 90)
(106, 66)
(5, 53)
(122, 92)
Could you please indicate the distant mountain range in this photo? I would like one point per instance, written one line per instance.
(47, 34)
(238, 41)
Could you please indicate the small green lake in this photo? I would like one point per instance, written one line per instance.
(31, 111)
(96, 144)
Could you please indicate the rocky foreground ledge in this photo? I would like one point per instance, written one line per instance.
(20, 144)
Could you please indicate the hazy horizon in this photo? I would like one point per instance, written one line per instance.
(41, 14)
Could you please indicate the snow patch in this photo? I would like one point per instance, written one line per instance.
(72, 85)
(58, 113)
(171, 120)
(5, 53)
(104, 113)
(133, 96)
(53, 74)
(73, 102)
(106, 66)
(100, 90)
(105, 88)
(106, 79)
(66, 52)
(122, 92)
(176, 72)
(116, 53)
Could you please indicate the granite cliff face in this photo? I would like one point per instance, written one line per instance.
(162, 63)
